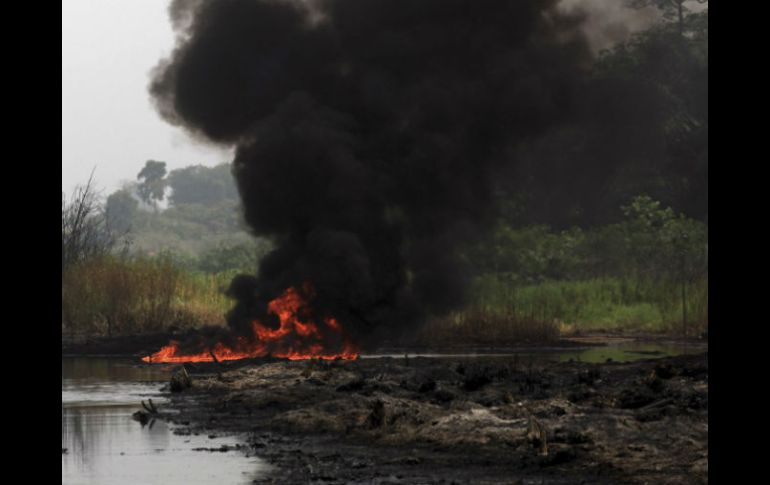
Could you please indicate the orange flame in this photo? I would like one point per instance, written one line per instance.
(298, 337)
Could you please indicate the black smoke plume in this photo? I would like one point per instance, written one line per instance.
(369, 135)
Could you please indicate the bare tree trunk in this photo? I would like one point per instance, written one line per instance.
(684, 294)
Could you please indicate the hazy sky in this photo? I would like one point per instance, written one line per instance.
(108, 121)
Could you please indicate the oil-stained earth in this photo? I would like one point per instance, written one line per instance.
(481, 420)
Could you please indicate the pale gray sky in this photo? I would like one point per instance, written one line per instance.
(108, 122)
(108, 50)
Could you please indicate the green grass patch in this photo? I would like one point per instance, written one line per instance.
(115, 296)
(613, 304)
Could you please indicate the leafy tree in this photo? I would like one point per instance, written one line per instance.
(676, 68)
(202, 185)
(662, 243)
(121, 210)
(652, 242)
(152, 187)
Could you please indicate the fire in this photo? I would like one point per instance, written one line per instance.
(298, 337)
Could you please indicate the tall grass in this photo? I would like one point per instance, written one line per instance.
(632, 303)
(502, 312)
(116, 296)
(475, 326)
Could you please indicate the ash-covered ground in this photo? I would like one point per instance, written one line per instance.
(480, 420)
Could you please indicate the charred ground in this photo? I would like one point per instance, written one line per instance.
(477, 420)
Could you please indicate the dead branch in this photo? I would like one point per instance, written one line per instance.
(151, 408)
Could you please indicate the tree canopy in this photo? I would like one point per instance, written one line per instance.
(153, 186)
(198, 184)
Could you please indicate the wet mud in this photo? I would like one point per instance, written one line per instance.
(488, 420)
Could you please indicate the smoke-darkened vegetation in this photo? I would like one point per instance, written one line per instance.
(602, 224)
(531, 283)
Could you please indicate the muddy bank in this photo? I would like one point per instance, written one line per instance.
(125, 345)
(485, 420)
(146, 344)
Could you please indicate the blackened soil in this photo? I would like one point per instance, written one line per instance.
(485, 420)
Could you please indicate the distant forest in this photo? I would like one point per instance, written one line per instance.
(192, 213)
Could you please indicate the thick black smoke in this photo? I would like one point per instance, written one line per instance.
(369, 134)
